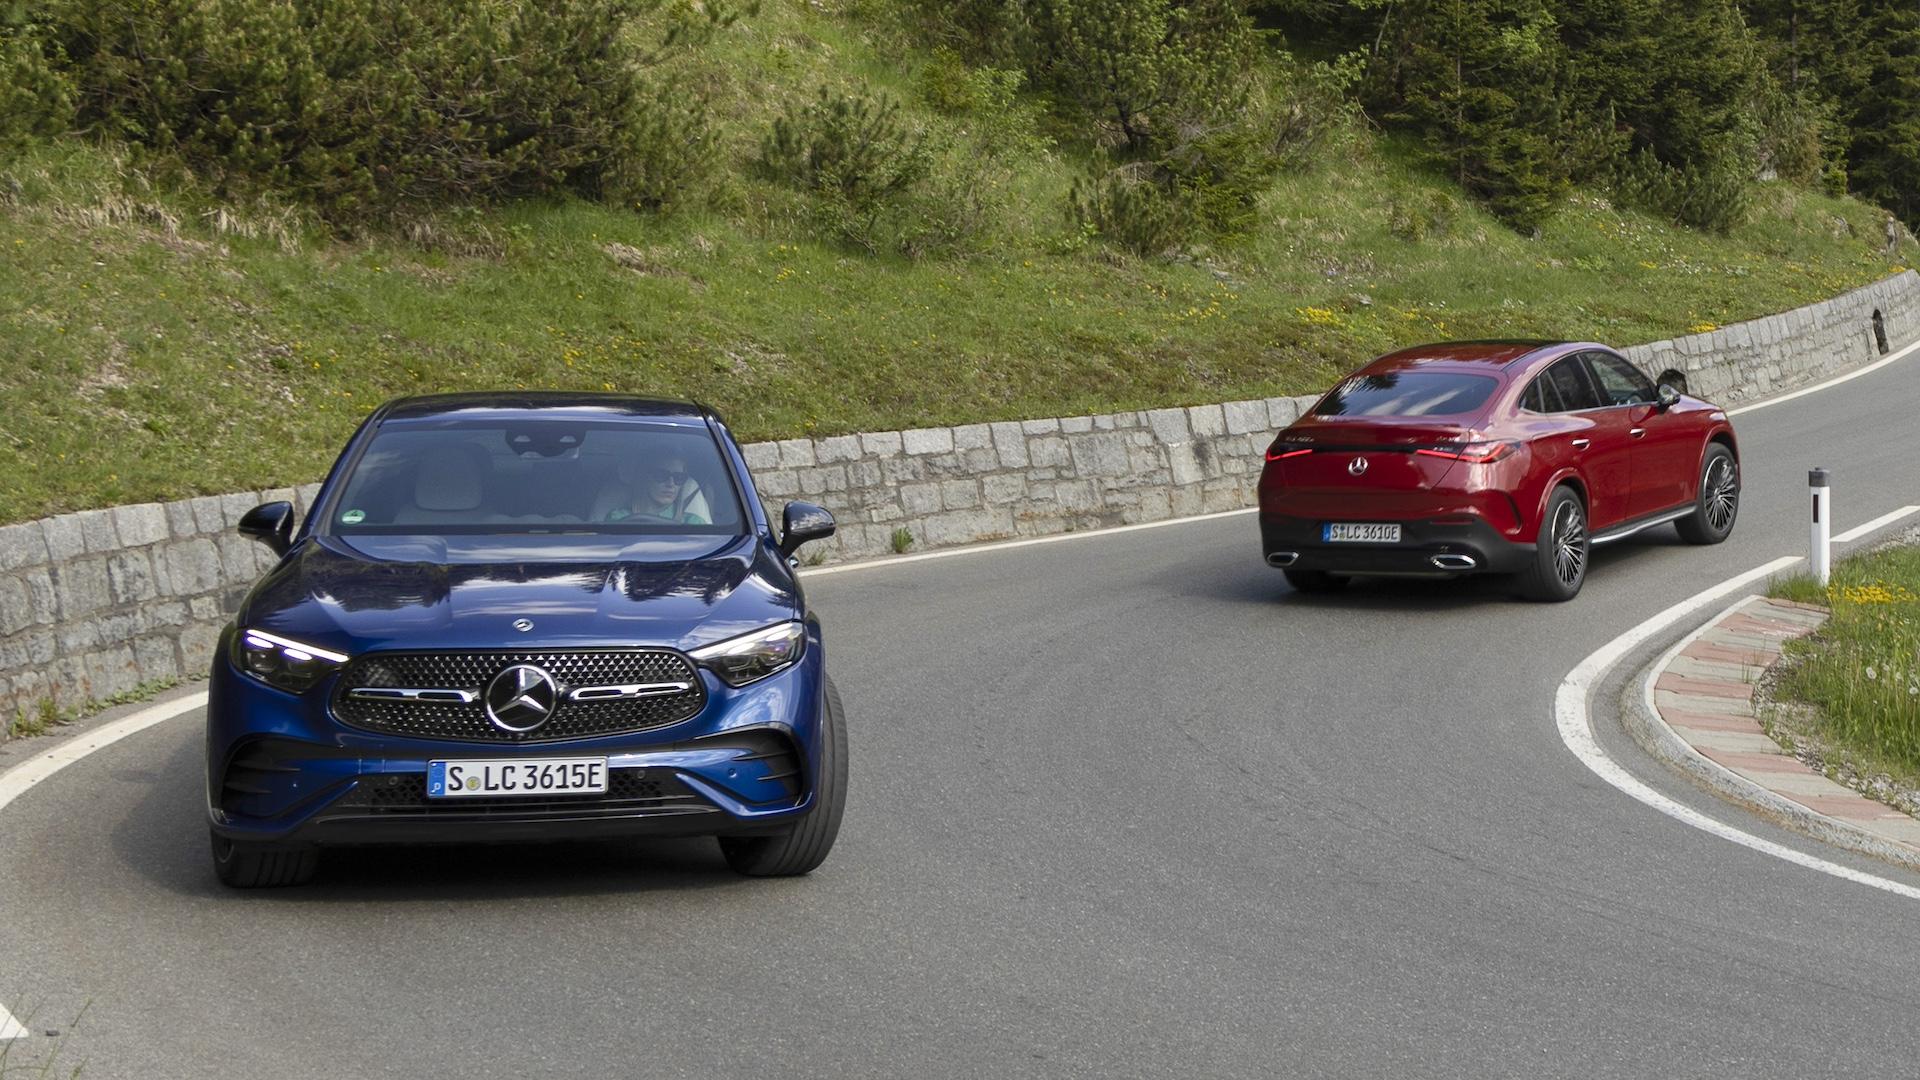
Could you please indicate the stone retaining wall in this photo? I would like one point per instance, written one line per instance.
(94, 604)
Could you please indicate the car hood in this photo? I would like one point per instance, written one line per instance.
(452, 592)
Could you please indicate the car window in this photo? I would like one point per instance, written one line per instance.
(1620, 382)
(1568, 381)
(1409, 393)
(432, 477)
(1540, 396)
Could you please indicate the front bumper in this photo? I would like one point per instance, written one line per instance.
(281, 770)
(1450, 546)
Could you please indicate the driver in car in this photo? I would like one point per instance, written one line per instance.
(662, 492)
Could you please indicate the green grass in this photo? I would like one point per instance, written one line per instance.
(1861, 671)
(46, 716)
(162, 345)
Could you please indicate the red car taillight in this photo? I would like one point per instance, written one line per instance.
(1477, 453)
(1271, 456)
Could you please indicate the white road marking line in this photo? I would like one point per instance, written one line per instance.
(1008, 545)
(16, 781)
(1880, 522)
(1576, 730)
(1817, 387)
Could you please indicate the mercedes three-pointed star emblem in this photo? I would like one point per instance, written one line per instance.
(1357, 466)
(521, 698)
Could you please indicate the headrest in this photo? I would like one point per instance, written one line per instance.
(449, 478)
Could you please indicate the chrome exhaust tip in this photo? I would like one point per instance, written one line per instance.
(1454, 562)
(1282, 559)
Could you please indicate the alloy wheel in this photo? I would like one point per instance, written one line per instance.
(1569, 544)
(1723, 493)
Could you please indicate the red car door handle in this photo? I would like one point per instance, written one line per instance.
(1582, 444)
(1638, 432)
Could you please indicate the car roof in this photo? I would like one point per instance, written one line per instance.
(547, 404)
(1462, 355)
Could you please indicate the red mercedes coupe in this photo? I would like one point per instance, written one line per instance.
(1504, 457)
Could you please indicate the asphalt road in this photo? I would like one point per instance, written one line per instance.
(1122, 806)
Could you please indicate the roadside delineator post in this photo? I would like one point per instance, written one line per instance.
(1822, 557)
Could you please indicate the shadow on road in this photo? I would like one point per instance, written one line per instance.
(164, 839)
(1246, 581)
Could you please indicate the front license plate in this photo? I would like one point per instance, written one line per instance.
(1352, 533)
(532, 776)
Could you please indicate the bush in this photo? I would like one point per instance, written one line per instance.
(672, 149)
(1309, 105)
(365, 107)
(1715, 195)
(853, 154)
(1430, 212)
(35, 99)
(1131, 208)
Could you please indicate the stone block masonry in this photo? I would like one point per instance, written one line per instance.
(95, 603)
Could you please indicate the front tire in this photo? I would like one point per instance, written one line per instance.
(241, 865)
(804, 846)
(1560, 555)
(1718, 503)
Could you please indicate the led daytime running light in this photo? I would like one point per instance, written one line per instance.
(295, 650)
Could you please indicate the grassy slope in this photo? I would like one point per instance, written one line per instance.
(157, 350)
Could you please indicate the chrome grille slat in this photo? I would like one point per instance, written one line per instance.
(437, 717)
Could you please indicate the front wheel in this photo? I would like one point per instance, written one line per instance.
(805, 846)
(1719, 500)
(1560, 556)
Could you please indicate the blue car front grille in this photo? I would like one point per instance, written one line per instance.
(471, 672)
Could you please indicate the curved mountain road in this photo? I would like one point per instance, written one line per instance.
(1122, 806)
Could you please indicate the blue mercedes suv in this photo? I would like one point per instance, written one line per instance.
(521, 617)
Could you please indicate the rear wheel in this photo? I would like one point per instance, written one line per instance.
(804, 846)
(1719, 501)
(1560, 556)
(1315, 580)
(241, 865)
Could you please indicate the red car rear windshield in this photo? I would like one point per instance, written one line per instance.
(1409, 393)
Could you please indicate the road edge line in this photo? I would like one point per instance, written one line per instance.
(1875, 525)
(1009, 545)
(20, 779)
(1650, 729)
(1769, 403)
(1574, 721)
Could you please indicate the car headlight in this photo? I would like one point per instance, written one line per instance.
(282, 663)
(752, 657)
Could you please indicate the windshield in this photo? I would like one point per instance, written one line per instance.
(1409, 393)
(538, 476)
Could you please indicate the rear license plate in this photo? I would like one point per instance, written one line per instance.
(1351, 533)
(534, 776)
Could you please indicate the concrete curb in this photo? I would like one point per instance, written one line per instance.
(1746, 626)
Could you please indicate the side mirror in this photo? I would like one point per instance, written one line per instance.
(1669, 397)
(800, 523)
(271, 524)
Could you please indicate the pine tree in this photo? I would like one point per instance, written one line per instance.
(1884, 160)
(1477, 79)
(1143, 64)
